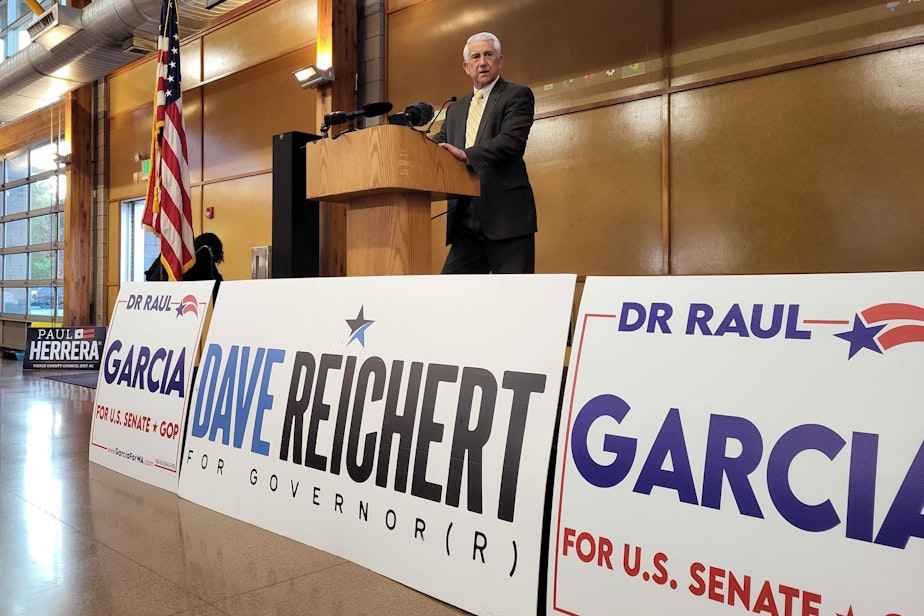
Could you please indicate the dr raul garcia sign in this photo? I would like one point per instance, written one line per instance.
(145, 378)
(743, 445)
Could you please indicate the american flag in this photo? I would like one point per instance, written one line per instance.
(167, 210)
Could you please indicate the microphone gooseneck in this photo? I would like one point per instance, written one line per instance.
(449, 100)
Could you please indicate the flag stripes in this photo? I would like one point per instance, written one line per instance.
(168, 208)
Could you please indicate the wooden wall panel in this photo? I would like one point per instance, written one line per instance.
(804, 170)
(397, 4)
(191, 64)
(543, 46)
(597, 175)
(242, 113)
(33, 128)
(812, 170)
(129, 133)
(192, 117)
(597, 179)
(134, 85)
(259, 36)
(243, 219)
(716, 38)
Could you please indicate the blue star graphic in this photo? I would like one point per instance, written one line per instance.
(861, 337)
(358, 327)
(179, 310)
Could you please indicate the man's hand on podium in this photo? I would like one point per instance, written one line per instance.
(459, 154)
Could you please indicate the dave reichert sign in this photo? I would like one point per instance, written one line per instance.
(145, 378)
(404, 423)
(742, 445)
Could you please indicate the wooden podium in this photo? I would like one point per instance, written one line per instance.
(387, 176)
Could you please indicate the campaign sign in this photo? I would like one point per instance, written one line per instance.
(742, 445)
(55, 348)
(145, 378)
(402, 422)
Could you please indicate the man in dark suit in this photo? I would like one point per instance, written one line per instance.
(487, 130)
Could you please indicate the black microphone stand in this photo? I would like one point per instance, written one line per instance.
(451, 99)
(351, 128)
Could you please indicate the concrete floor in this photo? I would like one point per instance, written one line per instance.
(78, 539)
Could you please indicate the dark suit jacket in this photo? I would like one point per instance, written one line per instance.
(203, 269)
(506, 207)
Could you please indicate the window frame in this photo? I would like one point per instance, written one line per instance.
(49, 289)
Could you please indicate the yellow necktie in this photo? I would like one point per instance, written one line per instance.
(474, 119)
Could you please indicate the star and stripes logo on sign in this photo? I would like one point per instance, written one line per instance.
(884, 326)
(87, 333)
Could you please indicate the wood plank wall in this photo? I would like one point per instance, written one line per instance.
(709, 137)
(33, 128)
(78, 225)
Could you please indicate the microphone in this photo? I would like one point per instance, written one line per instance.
(335, 118)
(451, 99)
(417, 114)
(376, 109)
(369, 111)
(398, 119)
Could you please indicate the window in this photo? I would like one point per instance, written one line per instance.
(41, 159)
(139, 246)
(42, 230)
(14, 301)
(14, 266)
(32, 234)
(17, 167)
(17, 200)
(14, 233)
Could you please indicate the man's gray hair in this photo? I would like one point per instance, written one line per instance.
(481, 36)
